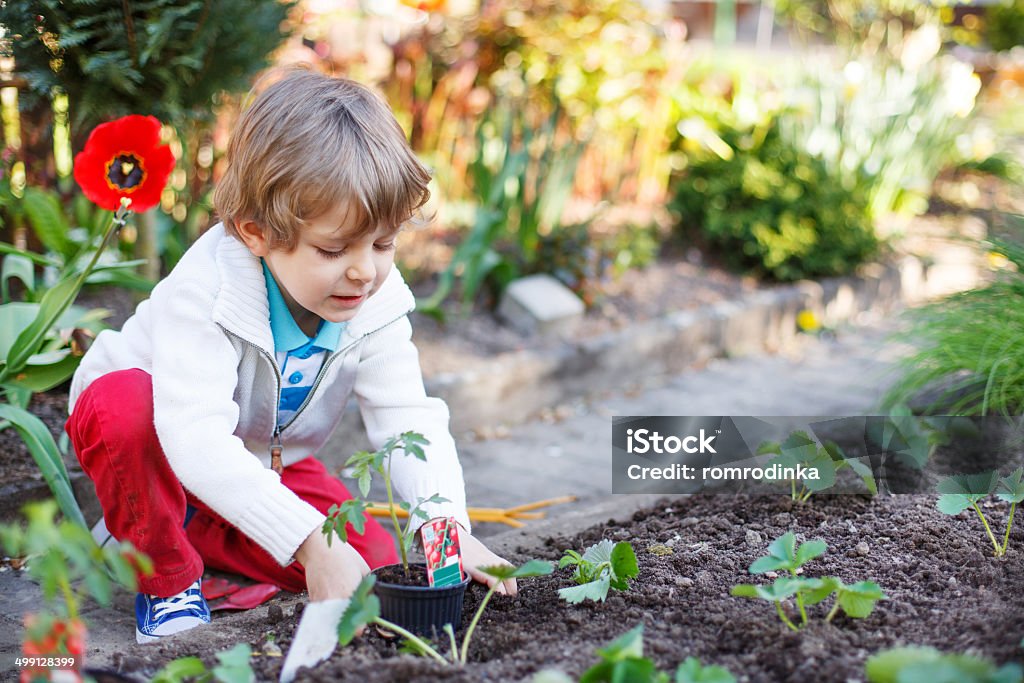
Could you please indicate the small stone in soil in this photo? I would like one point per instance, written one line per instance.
(274, 614)
(684, 582)
(862, 549)
(753, 538)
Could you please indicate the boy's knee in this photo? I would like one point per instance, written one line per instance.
(121, 400)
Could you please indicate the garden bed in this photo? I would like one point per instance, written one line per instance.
(944, 589)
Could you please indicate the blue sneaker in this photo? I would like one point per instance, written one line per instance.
(156, 617)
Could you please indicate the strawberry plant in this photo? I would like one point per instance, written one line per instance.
(233, 667)
(856, 600)
(964, 491)
(364, 464)
(623, 660)
(364, 608)
(927, 665)
(601, 567)
(800, 452)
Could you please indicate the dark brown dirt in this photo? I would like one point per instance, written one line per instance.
(944, 588)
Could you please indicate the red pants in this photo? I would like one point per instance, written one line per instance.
(144, 503)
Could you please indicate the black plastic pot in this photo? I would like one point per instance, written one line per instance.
(424, 610)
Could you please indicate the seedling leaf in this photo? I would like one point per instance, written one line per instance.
(783, 588)
(363, 607)
(819, 589)
(180, 669)
(1014, 487)
(810, 550)
(629, 644)
(692, 671)
(955, 503)
(234, 665)
(624, 566)
(596, 590)
(526, 570)
(858, 600)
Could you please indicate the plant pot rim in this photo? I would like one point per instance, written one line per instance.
(425, 589)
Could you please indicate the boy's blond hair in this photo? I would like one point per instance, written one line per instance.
(310, 142)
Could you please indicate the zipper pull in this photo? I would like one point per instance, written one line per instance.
(275, 452)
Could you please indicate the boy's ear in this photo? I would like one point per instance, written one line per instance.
(252, 235)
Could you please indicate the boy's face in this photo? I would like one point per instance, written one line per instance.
(329, 275)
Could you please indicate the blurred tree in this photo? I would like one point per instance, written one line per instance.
(166, 58)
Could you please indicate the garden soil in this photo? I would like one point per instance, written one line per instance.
(944, 587)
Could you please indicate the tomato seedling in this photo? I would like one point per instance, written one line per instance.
(964, 491)
(353, 511)
(856, 600)
(601, 567)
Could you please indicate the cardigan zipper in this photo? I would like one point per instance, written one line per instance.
(323, 369)
(276, 447)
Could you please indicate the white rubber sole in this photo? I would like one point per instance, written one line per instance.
(172, 627)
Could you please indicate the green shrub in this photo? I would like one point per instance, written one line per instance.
(968, 345)
(1004, 25)
(766, 207)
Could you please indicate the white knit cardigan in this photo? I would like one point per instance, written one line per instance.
(204, 336)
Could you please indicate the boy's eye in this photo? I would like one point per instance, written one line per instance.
(330, 254)
(384, 247)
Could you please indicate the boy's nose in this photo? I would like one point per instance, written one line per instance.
(362, 268)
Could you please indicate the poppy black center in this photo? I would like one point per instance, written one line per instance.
(125, 171)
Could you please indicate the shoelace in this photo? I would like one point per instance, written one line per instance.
(180, 602)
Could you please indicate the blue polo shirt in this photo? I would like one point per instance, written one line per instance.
(299, 357)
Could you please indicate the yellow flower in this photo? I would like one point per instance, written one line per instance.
(807, 321)
(997, 261)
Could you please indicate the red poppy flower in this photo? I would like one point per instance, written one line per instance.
(124, 158)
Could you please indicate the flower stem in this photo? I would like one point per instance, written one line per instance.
(418, 642)
(988, 530)
(1009, 523)
(476, 618)
(832, 612)
(782, 615)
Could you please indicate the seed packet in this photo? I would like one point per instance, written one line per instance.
(440, 538)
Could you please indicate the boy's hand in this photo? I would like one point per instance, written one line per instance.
(475, 554)
(331, 571)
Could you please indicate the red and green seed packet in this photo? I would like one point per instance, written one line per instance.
(440, 538)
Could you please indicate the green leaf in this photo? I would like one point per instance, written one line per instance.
(1014, 487)
(954, 503)
(810, 550)
(46, 215)
(234, 665)
(981, 484)
(783, 587)
(525, 570)
(692, 671)
(571, 557)
(18, 267)
(594, 590)
(884, 667)
(39, 378)
(629, 644)
(820, 589)
(179, 670)
(52, 306)
(858, 600)
(623, 559)
(363, 607)
(41, 446)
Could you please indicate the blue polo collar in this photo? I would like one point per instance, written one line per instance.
(288, 336)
